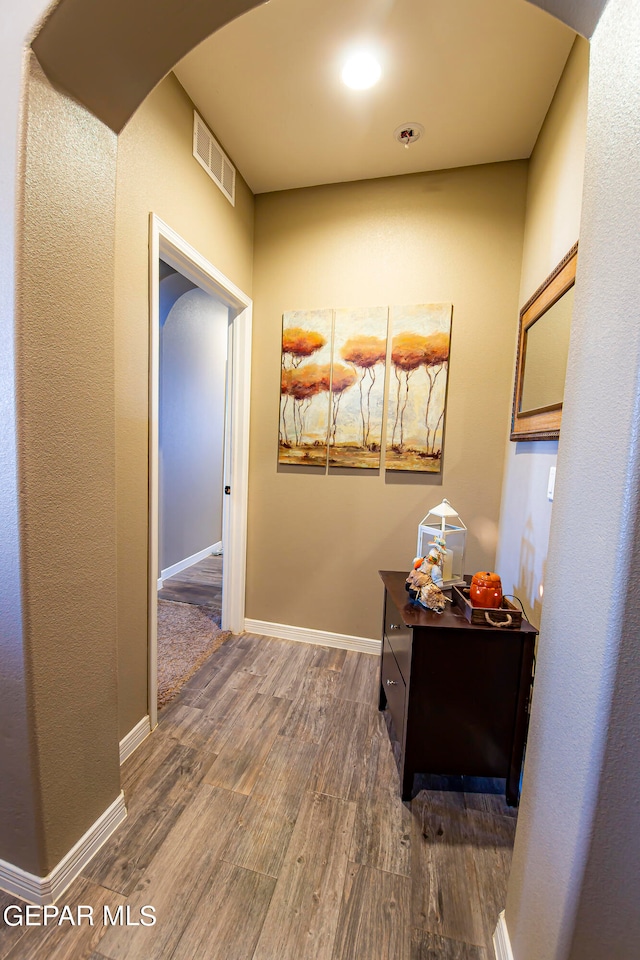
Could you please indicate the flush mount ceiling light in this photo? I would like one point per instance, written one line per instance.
(361, 70)
(408, 133)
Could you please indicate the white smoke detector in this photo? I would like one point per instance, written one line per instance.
(408, 133)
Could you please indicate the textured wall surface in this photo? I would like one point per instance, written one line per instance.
(556, 174)
(453, 236)
(18, 837)
(156, 173)
(574, 887)
(67, 457)
(552, 225)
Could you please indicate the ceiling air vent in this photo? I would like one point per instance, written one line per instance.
(211, 156)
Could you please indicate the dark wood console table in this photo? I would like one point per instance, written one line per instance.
(458, 694)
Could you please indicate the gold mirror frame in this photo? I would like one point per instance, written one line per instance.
(543, 424)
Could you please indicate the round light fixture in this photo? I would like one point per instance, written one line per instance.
(361, 70)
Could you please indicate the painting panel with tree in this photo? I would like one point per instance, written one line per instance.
(420, 337)
(357, 387)
(305, 381)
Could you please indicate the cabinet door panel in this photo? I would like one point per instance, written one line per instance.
(399, 637)
(395, 690)
(468, 687)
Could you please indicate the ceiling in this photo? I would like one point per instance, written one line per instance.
(477, 74)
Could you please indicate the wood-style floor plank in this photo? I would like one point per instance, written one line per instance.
(446, 901)
(302, 919)
(382, 833)
(202, 595)
(323, 675)
(153, 809)
(359, 677)
(142, 761)
(261, 837)
(330, 658)
(317, 858)
(286, 678)
(487, 795)
(227, 921)
(267, 655)
(375, 918)
(238, 765)
(201, 583)
(340, 768)
(307, 718)
(177, 876)
(9, 935)
(491, 841)
(68, 941)
(429, 946)
(221, 667)
(224, 662)
(207, 726)
(319, 682)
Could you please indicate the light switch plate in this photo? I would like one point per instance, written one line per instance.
(552, 483)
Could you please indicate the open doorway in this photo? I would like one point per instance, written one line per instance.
(198, 447)
(193, 350)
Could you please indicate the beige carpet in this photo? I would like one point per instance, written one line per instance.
(187, 636)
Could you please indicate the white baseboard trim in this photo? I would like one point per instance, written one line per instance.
(501, 941)
(306, 635)
(159, 584)
(216, 549)
(45, 890)
(188, 561)
(134, 738)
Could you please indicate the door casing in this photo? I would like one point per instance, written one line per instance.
(165, 243)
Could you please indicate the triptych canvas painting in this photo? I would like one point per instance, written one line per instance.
(335, 367)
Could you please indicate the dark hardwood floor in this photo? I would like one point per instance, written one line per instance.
(265, 823)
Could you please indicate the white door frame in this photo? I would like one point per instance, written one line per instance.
(166, 243)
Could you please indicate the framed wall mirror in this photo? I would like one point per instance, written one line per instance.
(543, 346)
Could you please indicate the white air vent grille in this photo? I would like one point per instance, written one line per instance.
(211, 156)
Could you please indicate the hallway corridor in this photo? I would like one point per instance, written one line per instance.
(265, 823)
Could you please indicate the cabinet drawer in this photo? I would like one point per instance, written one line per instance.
(399, 638)
(394, 689)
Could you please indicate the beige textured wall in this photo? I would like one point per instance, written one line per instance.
(66, 447)
(574, 887)
(315, 541)
(556, 175)
(156, 173)
(554, 201)
(18, 840)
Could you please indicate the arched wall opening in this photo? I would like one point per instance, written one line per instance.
(609, 288)
(85, 51)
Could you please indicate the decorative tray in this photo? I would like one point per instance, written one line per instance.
(507, 615)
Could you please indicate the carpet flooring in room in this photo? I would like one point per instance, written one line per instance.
(187, 636)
